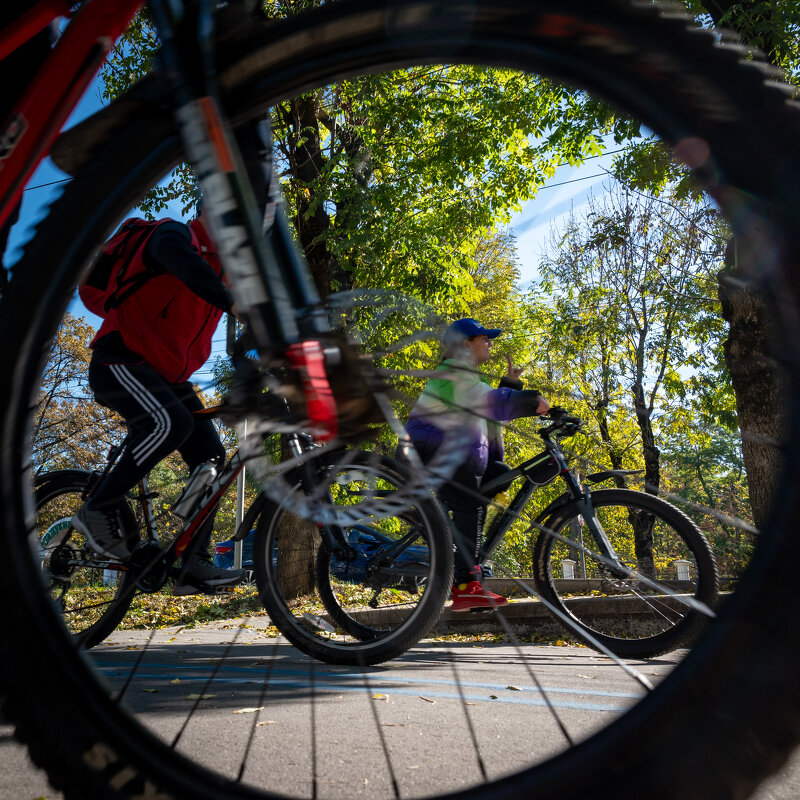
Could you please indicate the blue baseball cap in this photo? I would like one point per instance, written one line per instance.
(466, 328)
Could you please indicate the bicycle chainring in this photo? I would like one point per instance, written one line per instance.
(148, 566)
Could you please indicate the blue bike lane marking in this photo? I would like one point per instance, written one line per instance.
(400, 685)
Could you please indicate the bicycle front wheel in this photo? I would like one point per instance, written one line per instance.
(739, 132)
(91, 597)
(625, 613)
(373, 597)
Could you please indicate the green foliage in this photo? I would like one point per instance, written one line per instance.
(772, 26)
(393, 179)
(70, 430)
(628, 322)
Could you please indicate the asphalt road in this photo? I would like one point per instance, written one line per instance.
(414, 708)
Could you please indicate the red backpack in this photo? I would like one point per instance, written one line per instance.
(108, 282)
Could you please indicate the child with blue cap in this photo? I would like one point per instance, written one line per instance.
(463, 398)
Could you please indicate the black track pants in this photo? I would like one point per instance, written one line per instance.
(158, 416)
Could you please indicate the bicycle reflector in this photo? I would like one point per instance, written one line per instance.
(308, 359)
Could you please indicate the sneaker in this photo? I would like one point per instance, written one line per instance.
(467, 596)
(203, 571)
(100, 526)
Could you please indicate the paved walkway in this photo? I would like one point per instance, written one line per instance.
(415, 706)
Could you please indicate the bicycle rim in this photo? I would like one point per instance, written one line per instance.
(640, 62)
(653, 622)
(92, 600)
(373, 599)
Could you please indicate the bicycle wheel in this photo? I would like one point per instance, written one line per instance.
(689, 87)
(371, 601)
(92, 600)
(637, 620)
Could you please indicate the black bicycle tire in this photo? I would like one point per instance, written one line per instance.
(746, 733)
(707, 592)
(49, 487)
(339, 616)
(371, 650)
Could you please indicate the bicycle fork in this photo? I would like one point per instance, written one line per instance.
(582, 497)
(269, 279)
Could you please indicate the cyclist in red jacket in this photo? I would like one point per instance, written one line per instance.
(142, 358)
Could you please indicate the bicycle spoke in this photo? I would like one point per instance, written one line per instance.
(472, 734)
(381, 735)
(120, 696)
(313, 711)
(635, 674)
(204, 691)
(532, 675)
(261, 705)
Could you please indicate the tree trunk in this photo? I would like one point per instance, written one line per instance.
(756, 377)
(307, 162)
(298, 542)
(757, 383)
(614, 456)
(642, 522)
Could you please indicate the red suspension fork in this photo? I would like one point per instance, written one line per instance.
(308, 358)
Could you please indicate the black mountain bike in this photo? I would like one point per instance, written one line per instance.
(404, 562)
(726, 117)
(646, 557)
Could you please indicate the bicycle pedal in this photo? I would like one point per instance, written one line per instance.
(222, 590)
(480, 611)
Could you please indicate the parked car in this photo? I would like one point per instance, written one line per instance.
(223, 556)
(363, 539)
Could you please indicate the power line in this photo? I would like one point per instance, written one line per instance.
(43, 185)
(574, 180)
(563, 164)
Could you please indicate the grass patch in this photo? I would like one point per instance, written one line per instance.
(162, 610)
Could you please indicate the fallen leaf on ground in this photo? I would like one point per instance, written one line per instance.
(248, 710)
(199, 696)
(150, 691)
(384, 697)
(493, 697)
(589, 677)
(426, 699)
(266, 722)
(176, 680)
(514, 688)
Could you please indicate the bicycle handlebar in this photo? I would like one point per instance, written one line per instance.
(562, 423)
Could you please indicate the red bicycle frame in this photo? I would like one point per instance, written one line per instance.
(33, 125)
(52, 94)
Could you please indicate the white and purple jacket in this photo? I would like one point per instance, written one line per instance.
(462, 399)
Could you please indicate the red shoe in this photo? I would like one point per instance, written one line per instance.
(467, 596)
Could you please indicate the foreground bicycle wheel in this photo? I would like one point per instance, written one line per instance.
(93, 601)
(371, 602)
(740, 134)
(638, 621)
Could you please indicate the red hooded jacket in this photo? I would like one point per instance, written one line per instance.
(164, 321)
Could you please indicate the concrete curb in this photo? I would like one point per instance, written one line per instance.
(623, 615)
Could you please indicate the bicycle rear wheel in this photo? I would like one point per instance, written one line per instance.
(373, 599)
(637, 620)
(92, 600)
(739, 129)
